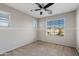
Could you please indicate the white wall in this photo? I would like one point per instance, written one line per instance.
(77, 29)
(69, 38)
(21, 30)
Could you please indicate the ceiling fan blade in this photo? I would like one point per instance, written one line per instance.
(41, 13)
(37, 9)
(48, 5)
(38, 5)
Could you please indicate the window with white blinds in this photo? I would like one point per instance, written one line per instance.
(4, 19)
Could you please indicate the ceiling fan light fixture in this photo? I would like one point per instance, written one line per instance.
(49, 12)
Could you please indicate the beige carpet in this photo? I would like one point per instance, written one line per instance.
(40, 48)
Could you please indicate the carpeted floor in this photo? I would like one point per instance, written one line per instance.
(40, 48)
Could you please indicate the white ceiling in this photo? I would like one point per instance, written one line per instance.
(57, 8)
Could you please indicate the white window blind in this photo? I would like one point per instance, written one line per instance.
(4, 19)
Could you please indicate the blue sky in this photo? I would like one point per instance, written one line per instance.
(56, 23)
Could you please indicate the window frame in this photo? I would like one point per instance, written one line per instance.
(54, 20)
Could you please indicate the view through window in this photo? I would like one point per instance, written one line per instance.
(55, 27)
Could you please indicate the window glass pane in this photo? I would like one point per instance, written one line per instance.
(4, 18)
(55, 27)
(3, 24)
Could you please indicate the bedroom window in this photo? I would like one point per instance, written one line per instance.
(55, 27)
(4, 19)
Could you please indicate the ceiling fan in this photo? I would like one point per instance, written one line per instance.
(43, 7)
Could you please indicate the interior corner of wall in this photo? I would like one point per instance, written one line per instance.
(77, 49)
